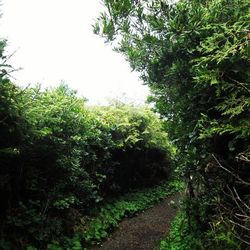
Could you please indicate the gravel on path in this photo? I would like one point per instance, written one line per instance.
(144, 231)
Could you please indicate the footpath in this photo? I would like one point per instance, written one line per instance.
(144, 231)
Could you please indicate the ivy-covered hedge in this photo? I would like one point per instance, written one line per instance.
(59, 159)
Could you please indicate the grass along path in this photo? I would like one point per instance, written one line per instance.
(145, 231)
(113, 212)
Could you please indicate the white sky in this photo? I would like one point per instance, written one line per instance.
(55, 42)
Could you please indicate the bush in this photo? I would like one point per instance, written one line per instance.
(60, 159)
(141, 151)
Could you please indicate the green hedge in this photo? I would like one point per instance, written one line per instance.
(59, 159)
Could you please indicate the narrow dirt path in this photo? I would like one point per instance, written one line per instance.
(144, 231)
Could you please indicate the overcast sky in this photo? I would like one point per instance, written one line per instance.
(54, 42)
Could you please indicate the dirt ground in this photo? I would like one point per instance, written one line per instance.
(144, 231)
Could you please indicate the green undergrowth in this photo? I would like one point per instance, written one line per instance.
(182, 238)
(127, 205)
(108, 216)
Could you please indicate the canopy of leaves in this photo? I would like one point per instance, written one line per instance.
(194, 55)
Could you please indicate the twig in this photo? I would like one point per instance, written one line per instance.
(227, 170)
(240, 83)
(242, 215)
(238, 205)
(238, 197)
(235, 223)
(243, 158)
(248, 243)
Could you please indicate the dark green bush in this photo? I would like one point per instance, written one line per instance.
(141, 152)
(60, 159)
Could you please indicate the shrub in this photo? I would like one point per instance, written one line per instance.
(141, 151)
(60, 159)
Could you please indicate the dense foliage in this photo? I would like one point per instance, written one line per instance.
(141, 152)
(60, 160)
(197, 66)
